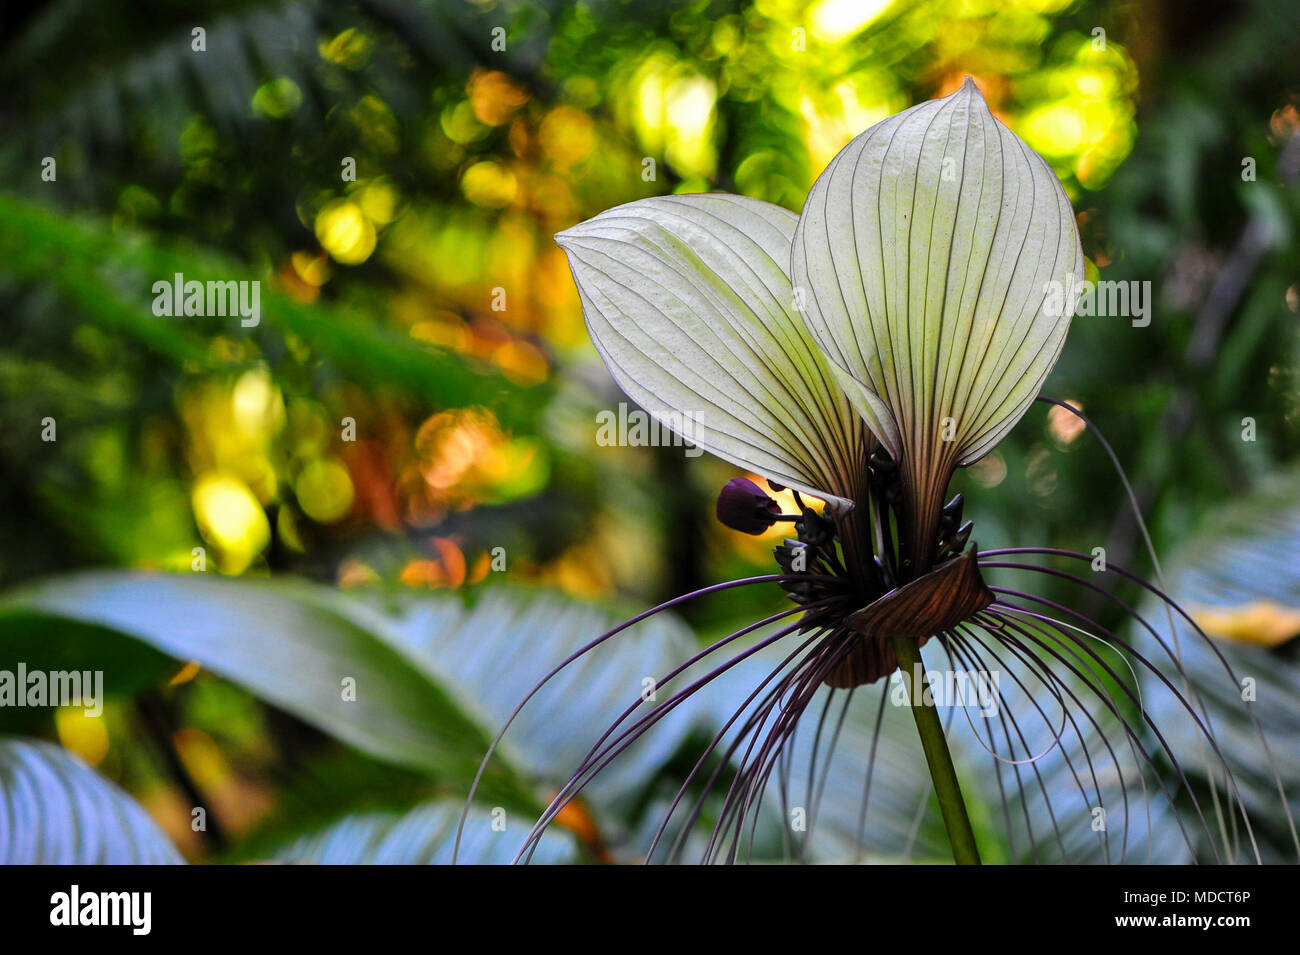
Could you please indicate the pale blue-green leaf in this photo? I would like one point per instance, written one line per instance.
(425, 836)
(56, 810)
(1247, 557)
(495, 651)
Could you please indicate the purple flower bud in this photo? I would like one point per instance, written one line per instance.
(744, 507)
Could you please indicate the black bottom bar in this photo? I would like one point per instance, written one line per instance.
(305, 904)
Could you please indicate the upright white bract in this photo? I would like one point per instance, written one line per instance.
(928, 259)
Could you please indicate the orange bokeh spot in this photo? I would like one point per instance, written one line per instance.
(494, 97)
(447, 569)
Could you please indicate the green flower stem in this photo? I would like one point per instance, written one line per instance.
(942, 772)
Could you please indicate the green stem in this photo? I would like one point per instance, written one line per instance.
(937, 757)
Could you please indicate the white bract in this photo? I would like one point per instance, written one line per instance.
(907, 304)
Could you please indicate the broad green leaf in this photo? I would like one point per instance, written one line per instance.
(689, 303)
(56, 810)
(425, 836)
(939, 259)
(49, 644)
(297, 646)
(435, 678)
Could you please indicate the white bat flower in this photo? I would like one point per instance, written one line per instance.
(861, 352)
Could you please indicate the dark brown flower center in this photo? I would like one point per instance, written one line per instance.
(934, 602)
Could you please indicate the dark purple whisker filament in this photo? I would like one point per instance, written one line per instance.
(1172, 606)
(778, 743)
(775, 751)
(1048, 683)
(1093, 681)
(871, 765)
(755, 719)
(1174, 656)
(644, 615)
(1028, 630)
(814, 798)
(1031, 759)
(590, 767)
(730, 638)
(1136, 511)
(1065, 634)
(751, 777)
(1002, 795)
(793, 685)
(1005, 714)
(1168, 604)
(1060, 690)
(1008, 640)
(752, 731)
(1206, 732)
